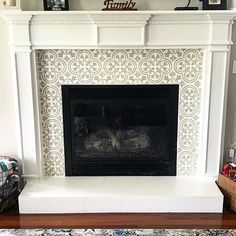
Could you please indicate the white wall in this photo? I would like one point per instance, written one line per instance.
(8, 143)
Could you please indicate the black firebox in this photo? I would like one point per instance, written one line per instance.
(120, 130)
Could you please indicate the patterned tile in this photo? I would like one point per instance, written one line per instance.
(121, 67)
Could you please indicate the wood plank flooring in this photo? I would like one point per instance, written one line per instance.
(227, 220)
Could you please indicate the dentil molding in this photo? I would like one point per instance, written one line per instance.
(116, 17)
(17, 19)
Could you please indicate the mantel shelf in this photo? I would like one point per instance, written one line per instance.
(152, 12)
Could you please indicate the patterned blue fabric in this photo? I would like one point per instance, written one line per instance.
(116, 232)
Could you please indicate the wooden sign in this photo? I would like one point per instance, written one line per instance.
(119, 6)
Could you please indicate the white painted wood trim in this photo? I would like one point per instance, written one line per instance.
(205, 104)
(36, 101)
(158, 28)
(217, 112)
(17, 105)
(27, 116)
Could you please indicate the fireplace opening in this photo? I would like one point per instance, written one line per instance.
(120, 130)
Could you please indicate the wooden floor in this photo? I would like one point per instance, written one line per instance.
(227, 220)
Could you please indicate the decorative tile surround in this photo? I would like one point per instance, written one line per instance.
(121, 67)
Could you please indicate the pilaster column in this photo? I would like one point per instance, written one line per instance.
(23, 74)
(221, 28)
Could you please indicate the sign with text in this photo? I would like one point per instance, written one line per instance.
(110, 5)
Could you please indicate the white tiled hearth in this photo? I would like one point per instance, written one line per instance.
(170, 36)
(121, 194)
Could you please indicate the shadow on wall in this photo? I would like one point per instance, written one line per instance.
(230, 132)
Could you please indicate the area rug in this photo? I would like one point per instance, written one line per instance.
(116, 232)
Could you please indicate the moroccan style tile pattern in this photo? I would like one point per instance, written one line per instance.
(117, 232)
(120, 67)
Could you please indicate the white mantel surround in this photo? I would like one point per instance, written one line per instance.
(206, 30)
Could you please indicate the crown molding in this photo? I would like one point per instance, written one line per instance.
(18, 19)
(61, 19)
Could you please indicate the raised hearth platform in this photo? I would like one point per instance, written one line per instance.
(121, 194)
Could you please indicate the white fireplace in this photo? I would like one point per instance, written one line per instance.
(190, 49)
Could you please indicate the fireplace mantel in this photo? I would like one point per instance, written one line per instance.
(142, 29)
(206, 30)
